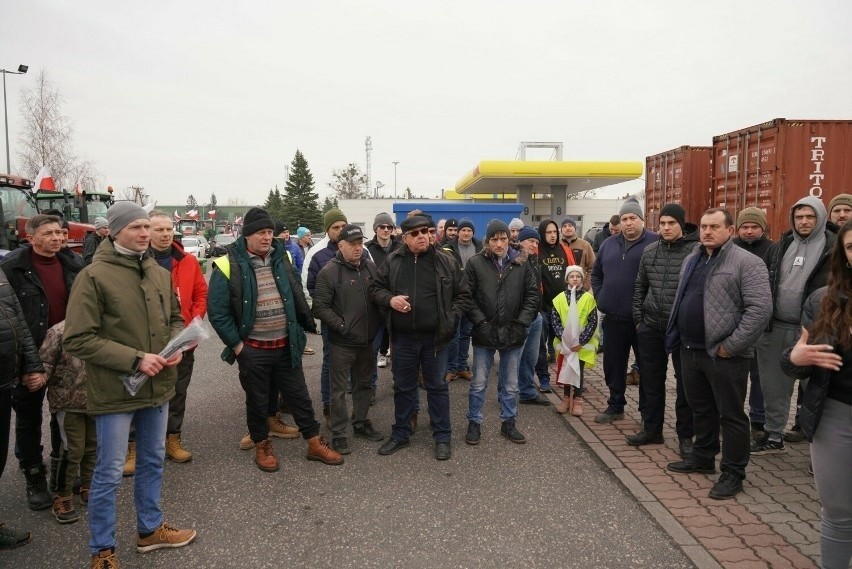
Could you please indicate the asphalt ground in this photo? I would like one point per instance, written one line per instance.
(548, 503)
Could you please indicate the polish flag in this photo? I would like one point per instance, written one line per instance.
(193, 213)
(176, 215)
(44, 181)
(78, 188)
(212, 213)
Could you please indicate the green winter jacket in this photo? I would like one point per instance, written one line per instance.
(120, 309)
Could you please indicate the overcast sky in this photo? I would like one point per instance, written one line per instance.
(208, 96)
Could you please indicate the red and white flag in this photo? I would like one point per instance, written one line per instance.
(44, 181)
(176, 215)
(78, 188)
(193, 213)
(212, 213)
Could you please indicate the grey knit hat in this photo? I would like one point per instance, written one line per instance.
(100, 223)
(632, 206)
(516, 223)
(383, 219)
(122, 214)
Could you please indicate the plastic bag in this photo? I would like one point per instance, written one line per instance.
(187, 338)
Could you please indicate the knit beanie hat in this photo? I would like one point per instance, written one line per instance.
(528, 232)
(382, 219)
(121, 214)
(569, 221)
(279, 227)
(100, 223)
(451, 222)
(516, 223)
(466, 222)
(331, 217)
(575, 269)
(632, 206)
(752, 215)
(675, 211)
(494, 227)
(256, 219)
(840, 199)
(302, 231)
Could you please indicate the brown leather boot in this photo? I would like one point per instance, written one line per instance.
(319, 450)
(130, 461)
(278, 428)
(105, 559)
(265, 457)
(175, 451)
(567, 402)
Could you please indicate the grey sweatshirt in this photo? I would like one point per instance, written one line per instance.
(799, 261)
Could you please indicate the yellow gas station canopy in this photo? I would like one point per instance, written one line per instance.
(501, 177)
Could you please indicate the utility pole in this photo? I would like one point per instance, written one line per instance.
(395, 162)
(368, 144)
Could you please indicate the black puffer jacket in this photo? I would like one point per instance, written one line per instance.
(757, 247)
(504, 304)
(18, 353)
(341, 300)
(18, 267)
(656, 282)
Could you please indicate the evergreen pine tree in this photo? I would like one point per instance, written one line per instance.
(300, 203)
(274, 204)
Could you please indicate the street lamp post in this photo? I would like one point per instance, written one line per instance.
(395, 162)
(21, 70)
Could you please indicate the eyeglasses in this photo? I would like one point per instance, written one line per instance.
(416, 232)
(386, 227)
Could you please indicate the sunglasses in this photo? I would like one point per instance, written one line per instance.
(416, 232)
(387, 227)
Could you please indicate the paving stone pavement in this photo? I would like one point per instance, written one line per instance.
(773, 523)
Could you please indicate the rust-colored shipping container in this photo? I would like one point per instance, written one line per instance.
(775, 164)
(680, 176)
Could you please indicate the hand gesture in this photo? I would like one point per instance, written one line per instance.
(820, 355)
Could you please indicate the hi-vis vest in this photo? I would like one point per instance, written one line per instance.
(225, 265)
(585, 306)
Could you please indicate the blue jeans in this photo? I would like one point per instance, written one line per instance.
(545, 346)
(529, 358)
(325, 390)
(458, 349)
(409, 355)
(507, 382)
(113, 431)
(377, 346)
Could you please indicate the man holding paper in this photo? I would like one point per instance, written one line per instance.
(122, 312)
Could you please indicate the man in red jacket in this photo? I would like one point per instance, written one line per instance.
(191, 291)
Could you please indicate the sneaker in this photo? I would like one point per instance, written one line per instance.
(366, 431)
(341, 445)
(767, 446)
(278, 428)
(105, 559)
(684, 447)
(12, 538)
(130, 460)
(686, 466)
(537, 400)
(728, 486)
(474, 433)
(382, 361)
(165, 536)
(544, 387)
(246, 443)
(609, 416)
(175, 451)
(466, 374)
(63, 510)
(508, 430)
(644, 437)
(264, 456)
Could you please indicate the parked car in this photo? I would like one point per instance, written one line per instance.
(192, 245)
(217, 244)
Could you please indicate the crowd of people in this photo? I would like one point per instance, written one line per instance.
(416, 297)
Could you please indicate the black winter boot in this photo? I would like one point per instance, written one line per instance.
(38, 497)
